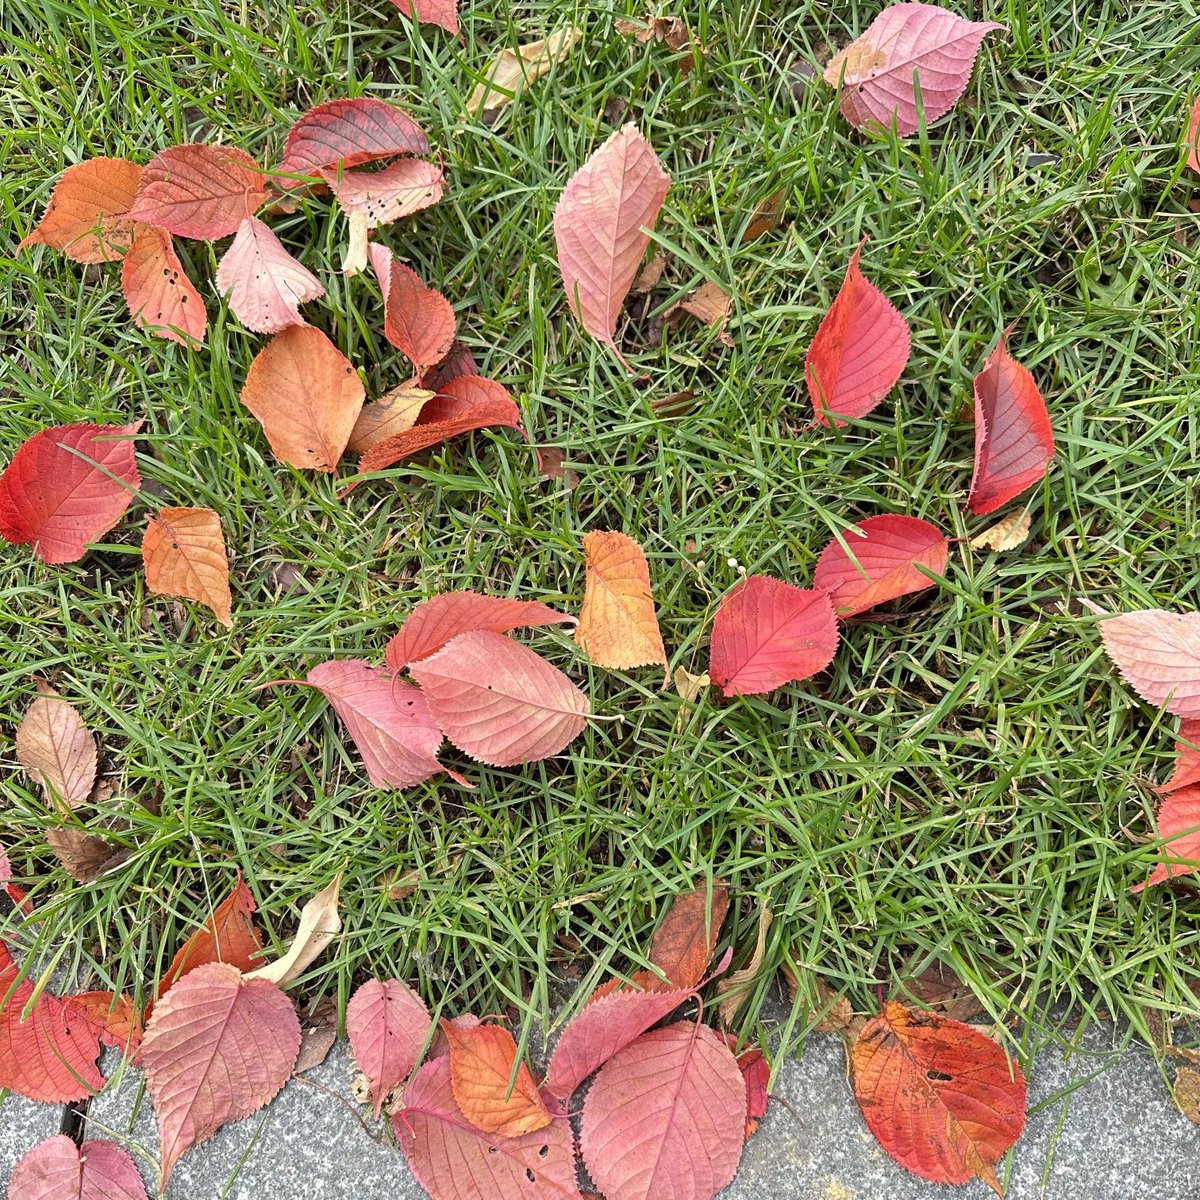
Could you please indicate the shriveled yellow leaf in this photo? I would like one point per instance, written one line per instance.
(320, 923)
(690, 686)
(514, 70)
(394, 412)
(184, 554)
(1007, 534)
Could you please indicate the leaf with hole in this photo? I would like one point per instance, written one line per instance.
(160, 296)
(387, 1024)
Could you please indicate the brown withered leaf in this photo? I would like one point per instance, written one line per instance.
(766, 216)
(689, 686)
(1187, 1093)
(1007, 534)
(734, 989)
(939, 989)
(673, 32)
(552, 465)
(56, 748)
(676, 404)
(514, 70)
(709, 304)
(684, 943)
(651, 273)
(838, 1015)
(84, 856)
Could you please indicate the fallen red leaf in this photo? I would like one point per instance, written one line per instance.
(756, 1071)
(860, 350)
(86, 217)
(882, 563)
(482, 1062)
(1158, 655)
(381, 197)
(598, 227)
(387, 1024)
(161, 298)
(1193, 137)
(199, 191)
(685, 941)
(767, 633)
(57, 749)
(435, 621)
(1179, 827)
(460, 361)
(349, 132)
(876, 72)
(432, 12)
(498, 701)
(66, 486)
(10, 889)
(940, 1097)
(1013, 439)
(183, 551)
(417, 319)
(666, 1116)
(228, 936)
(1187, 758)
(113, 1018)
(265, 285)
(57, 1169)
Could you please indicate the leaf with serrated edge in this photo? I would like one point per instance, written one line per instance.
(161, 298)
(183, 551)
(618, 627)
(684, 943)
(320, 923)
(417, 319)
(1178, 824)
(86, 217)
(57, 749)
(381, 197)
(387, 1024)
(199, 191)
(350, 132)
(481, 1070)
(1187, 758)
(1007, 534)
(264, 284)
(1158, 655)
(57, 1169)
(228, 936)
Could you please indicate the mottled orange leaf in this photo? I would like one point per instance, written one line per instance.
(684, 943)
(227, 936)
(85, 218)
(184, 554)
(481, 1072)
(161, 298)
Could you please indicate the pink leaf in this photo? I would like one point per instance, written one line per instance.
(417, 319)
(1187, 758)
(350, 133)
(1193, 137)
(217, 1049)
(876, 71)
(387, 1024)
(1013, 439)
(767, 633)
(435, 621)
(57, 1169)
(666, 1117)
(198, 191)
(66, 486)
(602, 1028)
(859, 352)
(499, 701)
(1179, 827)
(452, 1160)
(264, 283)
(160, 296)
(1158, 655)
(598, 225)
(384, 196)
(431, 12)
(881, 564)
(387, 720)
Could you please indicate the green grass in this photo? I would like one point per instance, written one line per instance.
(970, 783)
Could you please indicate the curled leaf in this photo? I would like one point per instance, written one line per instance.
(320, 923)
(349, 132)
(514, 70)
(227, 936)
(380, 197)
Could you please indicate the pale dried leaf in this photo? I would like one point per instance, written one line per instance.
(56, 749)
(320, 923)
(514, 70)
(733, 989)
(1007, 534)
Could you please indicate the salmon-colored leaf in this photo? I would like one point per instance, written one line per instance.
(860, 350)
(598, 227)
(1158, 655)
(395, 412)
(618, 627)
(1186, 772)
(184, 554)
(86, 217)
(767, 633)
(349, 133)
(306, 395)
(387, 1024)
(1179, 827)
(381, 197)
(666, 1116)
(57, 1169)
(114, 1019)
(217, 1049)
(684, 943)
(881, 562)
(499, 701)
(481, 1068)
(604, 1026)
(1193, 137)
(228, 936)
(264, 283)
(1013, 439)
(453, 1160)
(161, 298)
(431, 12)
(417, 320)
(876, 72)
(199, 191)
(66, 486)
(57, 749)
(435, 621)
(940, 1097)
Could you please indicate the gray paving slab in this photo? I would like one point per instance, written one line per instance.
(24, 1123)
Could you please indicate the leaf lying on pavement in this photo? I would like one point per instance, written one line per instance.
(387, 1024)
(57, 1169)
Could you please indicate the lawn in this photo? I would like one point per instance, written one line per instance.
(970, 783)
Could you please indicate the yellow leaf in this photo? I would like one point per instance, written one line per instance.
(394, 412)
(513, 70)
(320, 923)
(184, 555)
(733, 990)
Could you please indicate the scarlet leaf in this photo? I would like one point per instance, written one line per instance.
(452, 1160)
(86, 217)
(113, 1018)
(881, 564)
(876, 71)
(264, 283)
(417, 320)
(1187, 758)
(767, 633)
(1013, 439)
(684, 943)
(666, 1117)
(617, 624)
(216, 1049)
(859, 352)
(387, 1024)
(199, 191)
(500, 702)
(381, 197)
(598, 226)
(941, 1098)
(57, 749)
(184, 555)
(435, 621)
(756, 1071)
(349, 133)
(161, 298)
(605, 1025)
(228, 936)
(387, 720)
(307, 396)
(1158, 655)
(393, 413)
(432, 12)
(66, 486)
(57, 1169)
(481, 1068)
(1179, 827)
(1193, 137)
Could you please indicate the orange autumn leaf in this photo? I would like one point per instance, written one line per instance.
(161, 298)
(481, 1070)
(684, 943)
(617, 625)
(184, 555)
(227, 936)
(85, 218)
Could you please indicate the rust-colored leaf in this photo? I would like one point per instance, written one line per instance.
(86, 217)
(395, 412)
(227, 936)
(684, 944)
(418, 319)
(184, 554)
(482, 1061)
